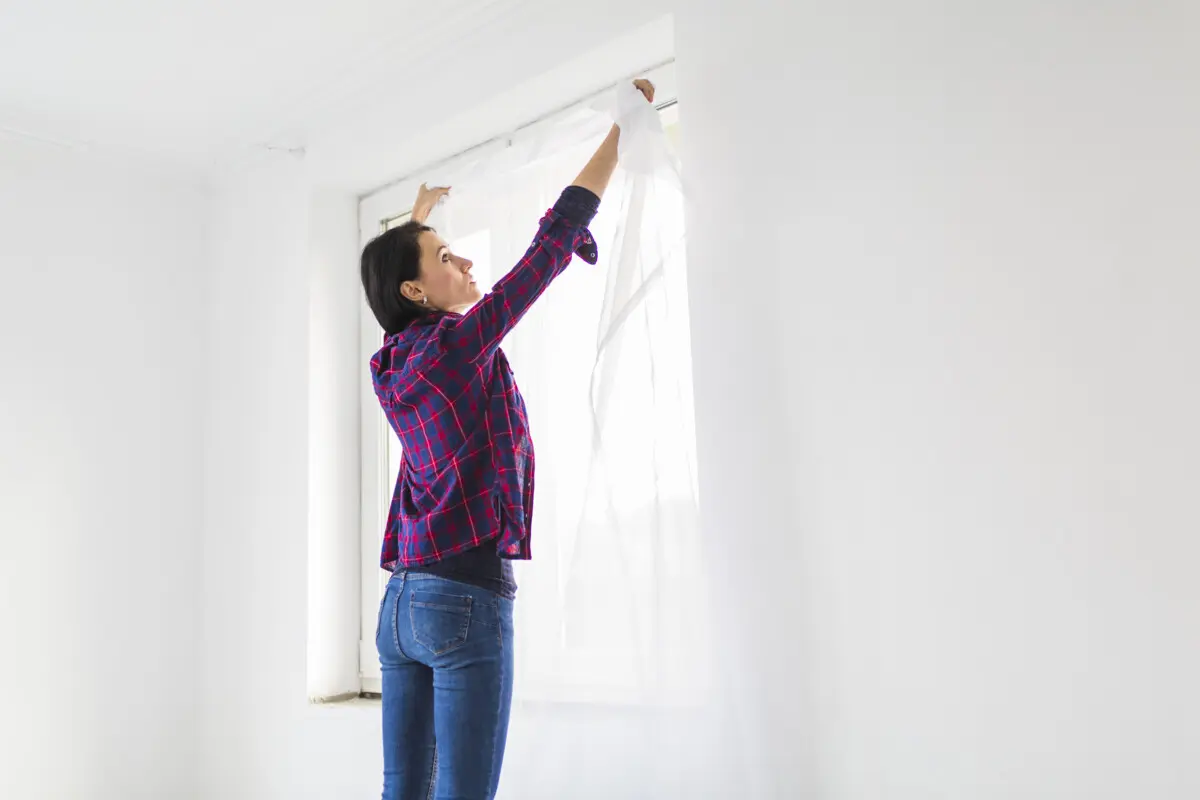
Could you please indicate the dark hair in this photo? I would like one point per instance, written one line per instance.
(388, 260)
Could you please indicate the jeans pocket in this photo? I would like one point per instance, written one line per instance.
(440, 622)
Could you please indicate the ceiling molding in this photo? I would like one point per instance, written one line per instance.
(7, 132)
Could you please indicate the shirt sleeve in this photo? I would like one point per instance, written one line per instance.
(563, 233)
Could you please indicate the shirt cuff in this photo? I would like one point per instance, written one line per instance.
(578, 205)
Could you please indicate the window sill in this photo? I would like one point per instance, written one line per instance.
(347, 701)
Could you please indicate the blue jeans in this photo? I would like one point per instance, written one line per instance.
(446, 649)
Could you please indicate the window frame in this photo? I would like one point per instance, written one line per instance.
(373, 434)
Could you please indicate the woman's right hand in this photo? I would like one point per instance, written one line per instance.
(646, 88)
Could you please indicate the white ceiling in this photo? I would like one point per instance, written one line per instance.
(201, 83)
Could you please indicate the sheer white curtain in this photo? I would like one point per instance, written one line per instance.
(614, 651)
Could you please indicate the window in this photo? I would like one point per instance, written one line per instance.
(569, 648)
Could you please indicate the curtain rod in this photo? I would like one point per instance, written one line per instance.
(508, 135)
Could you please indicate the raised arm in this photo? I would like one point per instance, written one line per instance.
(563, 233)
(596, 174)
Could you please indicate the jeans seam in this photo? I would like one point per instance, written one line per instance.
(492, 776)
(432, 773)
(396, 619)
(499, 625)
(379, 616)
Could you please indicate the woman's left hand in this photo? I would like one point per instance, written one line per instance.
(426, 199)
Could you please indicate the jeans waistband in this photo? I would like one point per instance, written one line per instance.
(503, 587)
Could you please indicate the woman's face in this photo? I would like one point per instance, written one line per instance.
(445, 278)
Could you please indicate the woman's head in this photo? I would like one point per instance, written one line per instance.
(409, 271)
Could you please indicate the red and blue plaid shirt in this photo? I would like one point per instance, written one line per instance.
(466, 475)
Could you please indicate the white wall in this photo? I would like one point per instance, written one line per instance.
(99, 478)
(983, 364)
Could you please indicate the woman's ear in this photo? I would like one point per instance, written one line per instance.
(411, 291)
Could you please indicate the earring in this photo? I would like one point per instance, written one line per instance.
(424, 301)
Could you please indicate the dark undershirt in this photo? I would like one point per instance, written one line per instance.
(482, 566)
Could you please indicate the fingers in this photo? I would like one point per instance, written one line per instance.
(427, 199)
(646, 88)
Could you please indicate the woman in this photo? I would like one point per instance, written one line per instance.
(464, 496)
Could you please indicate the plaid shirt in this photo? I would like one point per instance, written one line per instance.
(466, 476)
